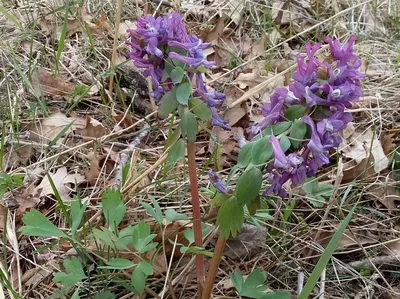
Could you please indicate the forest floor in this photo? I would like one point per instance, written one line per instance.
(74, 110)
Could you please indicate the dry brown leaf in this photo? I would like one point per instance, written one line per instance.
(234, 114)
(3, 213)
(50, 26)
(61, 179)
(18, 154)
(357, 145)
(47, 129)
(248, 242)
(386, 193)
(388, 143)
(94, 169)
(44, 83)
(392, 248)
(26, 198)
(93, 129)
(350, 238)
(249, 80)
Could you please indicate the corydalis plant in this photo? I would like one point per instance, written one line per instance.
(174, 59)
(300, 127)
(313, 107)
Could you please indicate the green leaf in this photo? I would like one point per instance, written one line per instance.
(285, 143)
(183, 92)
(245, 155)
(105, 295)
(177, 75)
(248, 185)
(298, 131)
(277, 295)
(77, 210)
(109, 238)
(200, 109)
(142, 237)
(125, 235)
(230, 218)
(253, 286)
(168, 103)
(189, 126)
(254, 205)
(176, 153)
(138, 280)
(219, 199)
(295, 111)
(261, 151)
(277, 129)
(173, 138)
(155, 212)
(326, 256)
(171, 215)
(36, 224)
(317, 193)
(118, 263)
(113, 208)
(145, 267)
(10, 17)
(237, 280)
(73, 275)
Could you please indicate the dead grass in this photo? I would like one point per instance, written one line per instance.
(293, 239)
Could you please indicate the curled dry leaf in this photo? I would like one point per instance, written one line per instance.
(356, 147)
(45, 130)
(350, 238)
(50, 26)
(61, 179)
(93, 129)
(44, 83)
(94, 169)
(392, 248)
(385, 191)
(248, 242)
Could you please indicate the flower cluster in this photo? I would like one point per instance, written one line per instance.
(325, 89)
(162, 43)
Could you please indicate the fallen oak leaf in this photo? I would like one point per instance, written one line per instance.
(93, 129)
(47, 129)
(60, 179)
(45, 84)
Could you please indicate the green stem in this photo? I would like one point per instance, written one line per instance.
(212, 271)
(194, 189)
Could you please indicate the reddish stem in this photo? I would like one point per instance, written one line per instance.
(194, 189)
(212, 271)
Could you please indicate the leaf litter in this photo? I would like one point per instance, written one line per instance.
(231, 46)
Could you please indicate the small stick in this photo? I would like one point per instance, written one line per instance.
(194, 190)
(212, 271)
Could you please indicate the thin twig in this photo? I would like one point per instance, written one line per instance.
(212, 271)
(194, 190)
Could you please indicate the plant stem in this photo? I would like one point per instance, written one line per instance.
(194, 190)
(212, 271)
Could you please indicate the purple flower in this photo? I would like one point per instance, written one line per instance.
(218, 121)
(343, 53)
(319, 152)
(156, 40)
(287, 163)
(212, 99)
(216, 181)
(307, 71)
(334, 123)
(272, 112)
(195, 55)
